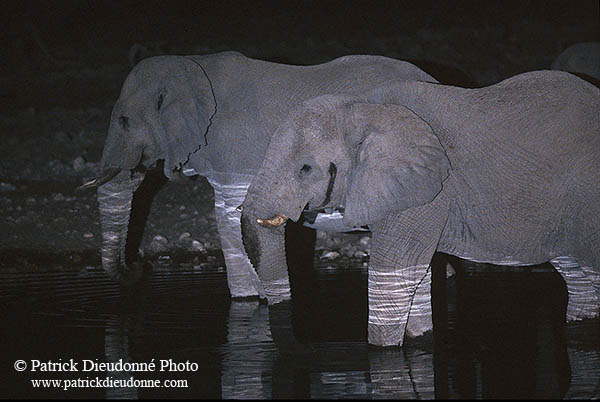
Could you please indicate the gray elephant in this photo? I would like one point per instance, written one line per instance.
(213, 116)
(580, 58)
(506, 174)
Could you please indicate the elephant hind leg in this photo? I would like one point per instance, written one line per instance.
(583, 286)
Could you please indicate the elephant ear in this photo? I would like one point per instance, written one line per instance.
(399, 162)
(185, 126)
(186, 104)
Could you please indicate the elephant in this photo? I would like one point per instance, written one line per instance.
(505, 174)
(582, 59)
(211, 115)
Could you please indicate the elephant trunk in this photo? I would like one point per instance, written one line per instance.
(114, 201)
(265, 248)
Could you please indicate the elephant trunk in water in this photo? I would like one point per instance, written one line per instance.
(114, 199)
(265, 248)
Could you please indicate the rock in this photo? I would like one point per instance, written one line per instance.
(6, 187)
(348, 251)
(360, 254)
(365, 241)
(160, 239)
(322, 235)
(28, 113)
(61, 136)
(58, 168)
(58, 197)
(159, 244)
(88, 235)
(185, 237)
(330, 255)
(79, 164)
(197, 246)
(450, 271)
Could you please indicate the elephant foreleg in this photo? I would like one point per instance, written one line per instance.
(241, 276)
(403, 246)
(420, 316)
(583, 286)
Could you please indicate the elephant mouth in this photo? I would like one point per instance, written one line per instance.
(273, 222)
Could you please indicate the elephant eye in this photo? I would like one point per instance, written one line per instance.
(161, 98)
(124, 122)
(305, 170)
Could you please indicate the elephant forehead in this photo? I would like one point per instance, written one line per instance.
(151, 79)
(313, 121)
(316, 144)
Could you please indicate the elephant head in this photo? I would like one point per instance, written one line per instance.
(333, 152)
(163, 113)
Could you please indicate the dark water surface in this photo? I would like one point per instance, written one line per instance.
(497, 335)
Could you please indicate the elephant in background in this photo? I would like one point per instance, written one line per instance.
(506, 174)
(582, 59)
(213, 116)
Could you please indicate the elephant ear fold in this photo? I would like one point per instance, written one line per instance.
(399, 162)
(185, 110)
(185, 122)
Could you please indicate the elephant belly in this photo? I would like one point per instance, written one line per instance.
(331, 222)
(484, 242)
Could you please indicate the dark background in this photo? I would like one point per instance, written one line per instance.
(62, 64)
(302, 32)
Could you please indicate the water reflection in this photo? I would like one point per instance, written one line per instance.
(401, 374)
(116, 348)
(496, 335)
(248, 353)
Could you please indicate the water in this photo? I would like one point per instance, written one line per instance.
(496, 335)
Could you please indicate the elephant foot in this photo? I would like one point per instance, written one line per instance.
(420, 318)
(419, 325)
(386, 334)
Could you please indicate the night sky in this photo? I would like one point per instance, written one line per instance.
(32, 27)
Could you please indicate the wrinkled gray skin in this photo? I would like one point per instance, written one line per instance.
(507, 174)
(582, 58)
(213, 116)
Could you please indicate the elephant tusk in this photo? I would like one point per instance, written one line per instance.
(240, 208)
(108, 174)
(274, 222)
